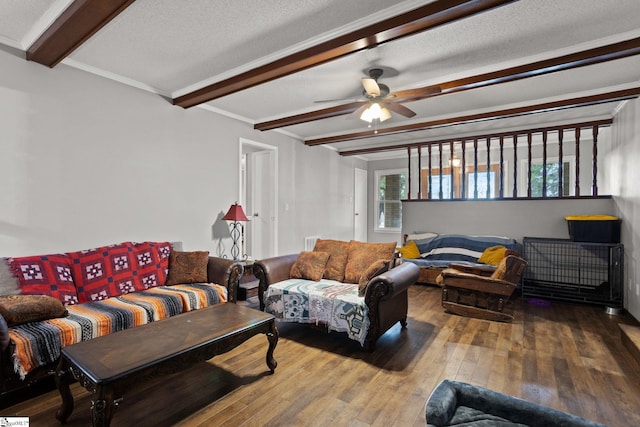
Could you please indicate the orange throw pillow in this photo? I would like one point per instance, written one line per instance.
(309, 265)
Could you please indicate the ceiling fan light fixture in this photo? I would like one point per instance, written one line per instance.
(373, 112)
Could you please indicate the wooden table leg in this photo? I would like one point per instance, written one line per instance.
(103, 407)
(272, 336)
(63, 378)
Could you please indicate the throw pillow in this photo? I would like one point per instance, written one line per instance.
(492, 255)
(46, 275)
(19, 309)
(410, 250)
(188, 267)
(310, 265)
(103, 272)
(362, 255)
(338, 251)
(8, 281)
(374, 269)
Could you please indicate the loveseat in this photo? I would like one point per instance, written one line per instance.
(51, 301)
(434, 252)
(347, 286)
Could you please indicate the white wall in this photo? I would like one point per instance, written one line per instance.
(511, 218)
(623, 182)
(87, 161)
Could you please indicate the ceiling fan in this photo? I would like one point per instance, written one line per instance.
(378, 102)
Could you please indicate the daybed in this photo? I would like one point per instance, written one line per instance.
(458, 403)
(51, 301)
(434, 252)
(351, 287)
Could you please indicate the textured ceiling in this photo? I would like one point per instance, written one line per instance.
(174, 47)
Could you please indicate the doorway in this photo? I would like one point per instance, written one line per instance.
(258, 193)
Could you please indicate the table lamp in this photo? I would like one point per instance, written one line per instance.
(235, 215)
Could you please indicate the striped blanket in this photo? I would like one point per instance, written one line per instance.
(38, 344)
(328, 302)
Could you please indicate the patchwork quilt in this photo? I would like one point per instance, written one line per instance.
(328, 302)
(38, 344)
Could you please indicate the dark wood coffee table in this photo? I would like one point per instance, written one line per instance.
(108, 366)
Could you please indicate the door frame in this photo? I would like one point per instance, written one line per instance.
(259, 146)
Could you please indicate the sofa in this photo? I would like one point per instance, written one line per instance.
(457, 403)
(346, 286)
(55, 300)
(434, 252)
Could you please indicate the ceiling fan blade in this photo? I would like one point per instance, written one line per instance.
(371, 87)
(400, 109)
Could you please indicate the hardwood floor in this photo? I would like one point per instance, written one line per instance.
(566, 356)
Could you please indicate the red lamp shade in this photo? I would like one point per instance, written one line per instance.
(235, 214)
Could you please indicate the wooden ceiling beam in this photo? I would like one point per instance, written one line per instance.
(491, 115)
(423, 18)
(370, 150)
(81, 20)
(566, 62)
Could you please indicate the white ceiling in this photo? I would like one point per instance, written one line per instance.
(173, 47)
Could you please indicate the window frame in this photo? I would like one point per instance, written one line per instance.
(376, 199)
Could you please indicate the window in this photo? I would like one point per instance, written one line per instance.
(391, 189)
(553, 177)
(452, 184)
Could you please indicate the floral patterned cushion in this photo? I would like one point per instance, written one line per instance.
(338, 249)
(310, 266)
(362, 255)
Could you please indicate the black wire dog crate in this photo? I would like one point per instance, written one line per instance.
(574, 271)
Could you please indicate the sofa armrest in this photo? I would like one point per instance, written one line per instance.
(457, 279)
(480, 270)
(225, 272)
(392, 282)
(272, 270)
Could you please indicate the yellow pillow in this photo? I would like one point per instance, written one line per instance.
(410, 250)
(493, 255)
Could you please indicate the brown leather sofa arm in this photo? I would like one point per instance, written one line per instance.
(225, 272)
(272, 270)
(392, 282)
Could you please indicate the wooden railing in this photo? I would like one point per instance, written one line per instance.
(480, 167)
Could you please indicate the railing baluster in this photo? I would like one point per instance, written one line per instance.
(475, 168)
(577, 161)
(420, 172)
(501, 193)
(409, 174)
(430, 181)
(529, 141)
(463, 170)
(440, 168)
(488, 168)
(560, 163)
(515, 165)
(594, 188)
(544, 163)
(451, 168)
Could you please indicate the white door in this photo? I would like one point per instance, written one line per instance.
(259, 193)
(360, 205)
